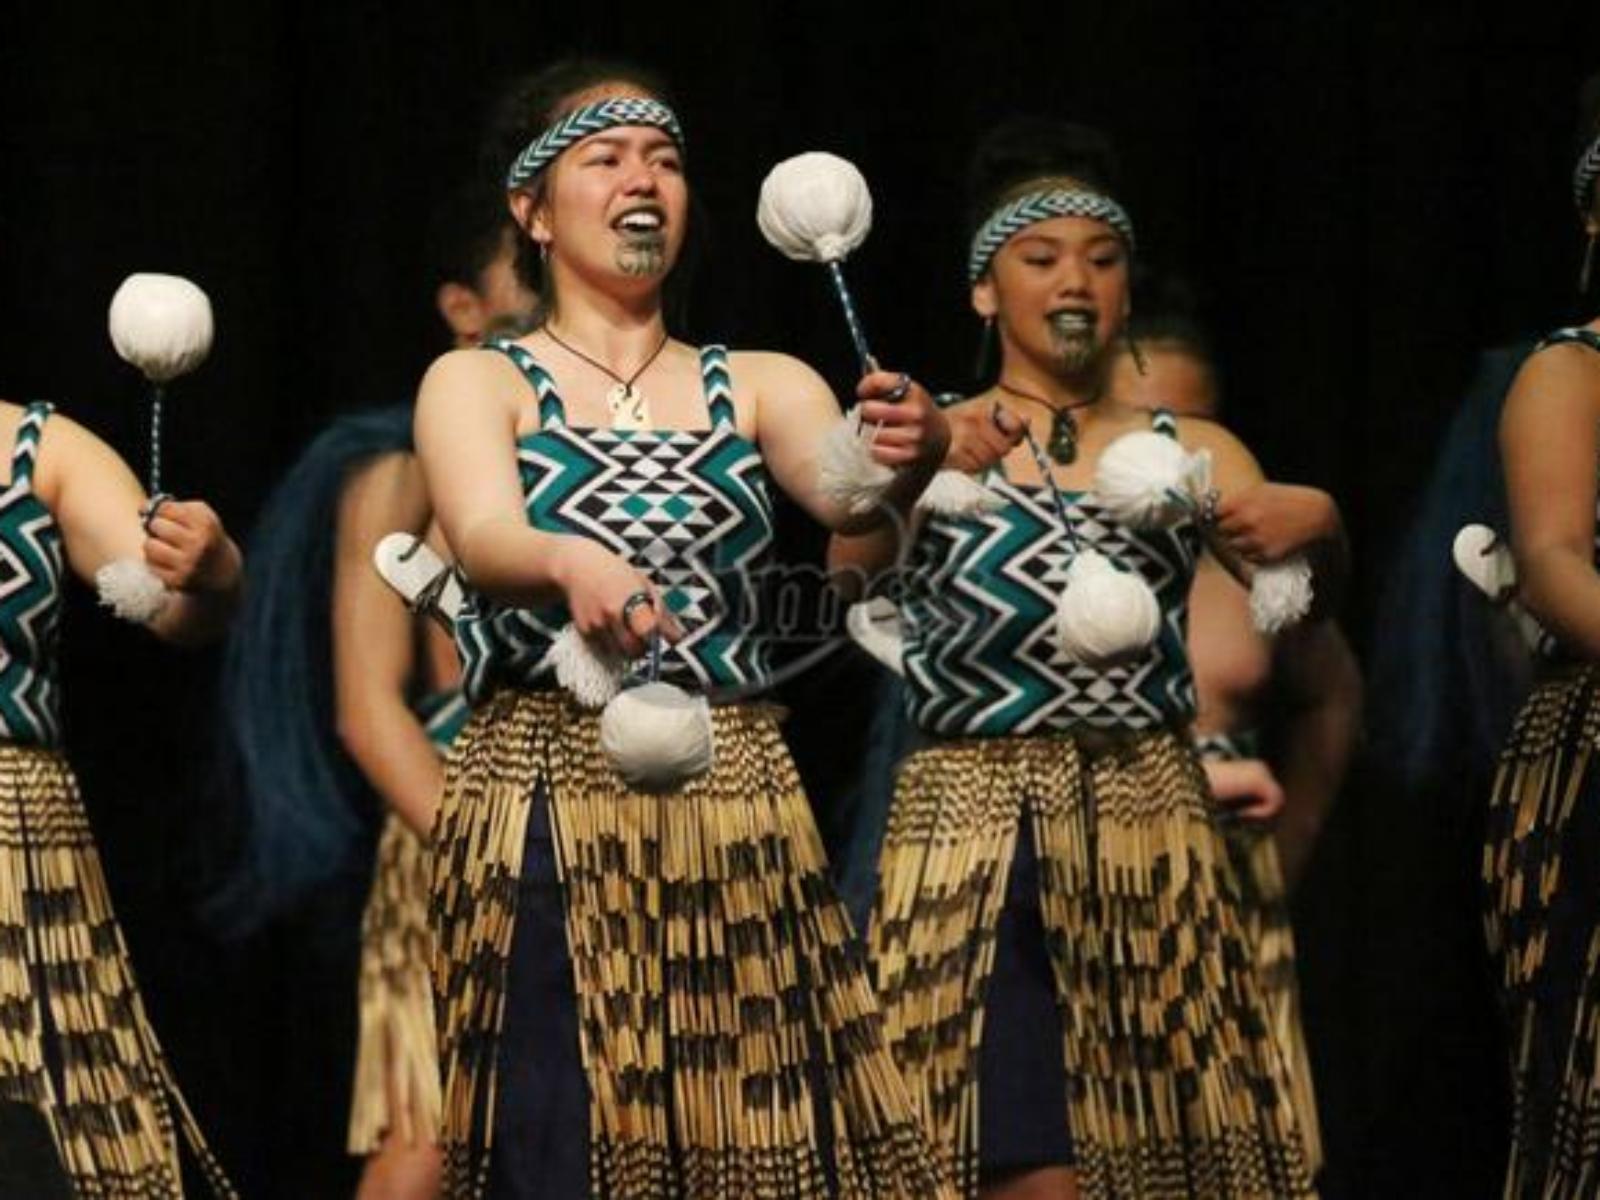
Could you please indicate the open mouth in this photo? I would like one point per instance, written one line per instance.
(641, 222)
(1072, 322)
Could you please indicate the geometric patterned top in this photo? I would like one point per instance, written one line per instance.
(30, 598)
(1228, 747)
(980, 654)
(689, 508)
(1548, 647)
(443, 715)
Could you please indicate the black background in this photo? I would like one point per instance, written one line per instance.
(1366, 196)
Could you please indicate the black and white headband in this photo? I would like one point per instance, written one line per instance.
(584, 122)
(1014, 216)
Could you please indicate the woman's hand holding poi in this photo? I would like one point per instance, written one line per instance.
(909, 428)
(603, 597)
(981, 437)
(187, 548)
(1268, 522)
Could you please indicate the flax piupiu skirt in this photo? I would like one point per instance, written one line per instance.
(652, 994)
(1169, 1081)
(396, 1090)
(1541, 868)
(74, 1039)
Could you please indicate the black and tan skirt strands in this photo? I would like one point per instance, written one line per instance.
(1264, 912)
(1174, 1086)
(1541, 866)
(396, 1089)
(74, 1039)
(730, 1041)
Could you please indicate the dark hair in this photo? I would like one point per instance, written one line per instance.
(1588, 131)
(1445, 682)
(528, 106)
(467, 231)
(1024, 150)
(304, 809)
(1588, 112)
(1169, 314)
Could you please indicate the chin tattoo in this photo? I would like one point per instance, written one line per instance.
(1075, 344)
(642, 255)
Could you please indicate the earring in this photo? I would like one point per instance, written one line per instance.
(980, 365)
(544, 253)
(1586, 272)
(1133, 350)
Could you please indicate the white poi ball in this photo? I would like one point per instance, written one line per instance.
(875, 626)
(1485, 561)
(815, 207)
(1104, 616)
(657, 735)
(161, 324)
(1147, 480)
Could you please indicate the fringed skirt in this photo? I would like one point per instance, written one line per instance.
(1264, 897)
(727, 1041)
(1173, 1084)
(396, 1089)
(1541, 865)
(74, 1039)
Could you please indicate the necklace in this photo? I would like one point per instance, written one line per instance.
(628, 406)
(1063, 440)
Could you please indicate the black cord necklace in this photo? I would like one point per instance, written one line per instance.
(628, 406)
(1062, 444)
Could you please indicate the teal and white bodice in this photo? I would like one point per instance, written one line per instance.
(443, 714)
(1549, 647)
(1228, 747)
(30, 598)
(979, 609)
(690, 508)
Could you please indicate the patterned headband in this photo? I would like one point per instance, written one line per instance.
(1583, 178)
(1010, 219)
(581, 123)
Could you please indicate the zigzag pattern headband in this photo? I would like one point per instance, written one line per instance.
(1010, 219)
(581, 123)
(1583, 178)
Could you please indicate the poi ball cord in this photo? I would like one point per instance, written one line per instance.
(162, 325)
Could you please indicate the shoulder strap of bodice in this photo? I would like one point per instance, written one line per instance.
(29, 430)
(718, 386)
(1583, 337)
(551, 410)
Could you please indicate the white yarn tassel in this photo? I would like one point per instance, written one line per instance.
(1104, 616)
(846, 471)
(130, 589)
(1280, 595)
(1146, 480)
(591, 676)
(657, 735)
(957, 494)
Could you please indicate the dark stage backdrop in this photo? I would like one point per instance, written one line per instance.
(1366, 200)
